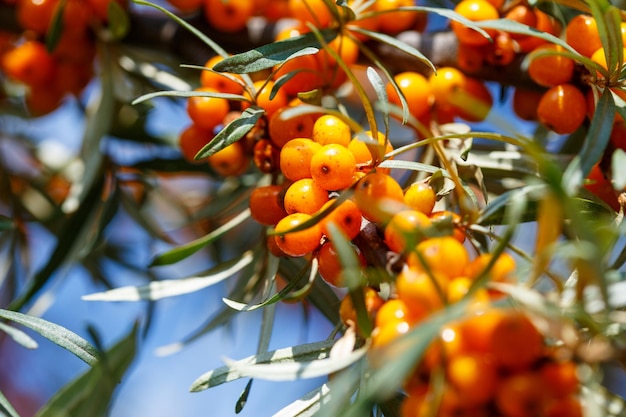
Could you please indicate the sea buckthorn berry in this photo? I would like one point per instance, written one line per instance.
(515, 342)
(311, 11)
(404, 230)
(228, 15)
(599, 57)
(420, 196)
(503, 51)
(416, 90)
(362, 154)
(329, 129)
(545, 23)
(264, 205)
(100, 8)
(459, 287)
(29, 63)
(295, 158)
(304, 72)
(501, 271)
(329, 264)
(445, 84)
(476, 331)
(395, 21)
(191, 140)
(230, 161)
(41, 100)
(442, 255)
(266, 156)
(562, 108)
(395, 310)
(560, 378)
(347, 217)
(564, 407)
(305, 196)
(298, 243)
(205, 111)
(581, 33)
(551, 70)
(379, 197)
(420, 290)
(262, 99)
(218, 81)
(373, 302)
(525, 103)
(599, 185)
(473, 102)
(36, 15)
(332, 167)
(346, 48)
(389, 332)
(521, 395)
(523, 14)
(474, 376)
(281, 129)
(474, 10)
(186, 6)
(458, 231)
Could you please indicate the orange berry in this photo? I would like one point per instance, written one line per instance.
(562, 108)
(331, 129)
(525, 103)
(329, 265)
(503, 51)
(521, 395)
(230, 161)
(100, 8)
(305, 196)
(262, 99)
(332, 167)
(396, 21)
(560, 378)
(29, 63)
(395, 310)
(416, 90)
(501, 271)
(421, 291)
(281, 129)
(581, 33)
(420, 196)
(599, 185)
(186, 6)
(219, 81)
(545, 23)
(474, 10)
(389, 332)
(476, 331)
(473, 102)
(515, 342)
(36, 15)
(445, 84)
(264, 205)
(363, 156)
(228, 15)
(442, 255)
(379, 197)
(311, 11)
(404, 230)
(191, 140)
(474, 376)
(266, 156)
(458, 231)
(304, 72)
(347, 217)
(205, 111)
(373, 302)
(297, 243)
(295, 158)
(346, 48)
(41, 100)
(524, 14)
(551, 70)
(458, 288)
(564, 407)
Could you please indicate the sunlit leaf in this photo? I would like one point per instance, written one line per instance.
(308, 405)
(608, 20)
(272, 54)
(300, 354)
(6, 407)
(19, 336)
(381, 93)
(233, 131)
(90, 394)
(184, 251)
(118, 20)
(157, 290)
(56, 334)
(618, 173)
(188, 94)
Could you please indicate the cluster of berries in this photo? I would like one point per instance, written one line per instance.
(53, 70)
(494, 360)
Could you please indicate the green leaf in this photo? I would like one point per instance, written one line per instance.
(119, 22)
(595, 142)
(184, 251)
(618, 173)
(233, 131)
(300, 354)
(381, 93)
(6, 223)
(272, 54)
(187, 94)
(308, 405)
(6, 407)
(608, 20)
(55, 30)
(19, 336)
(90, 394)
(157, 290)
(56, 334)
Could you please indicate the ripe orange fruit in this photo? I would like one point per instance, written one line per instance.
(219, 81)
(515, 342)
(297, 243)
(474, 10)
(304, 196)
(264, 205)
(266, 156)
(331, 129)
(545, 23)
(525, 103)
(562, 108)
(295, 158)
(403, 230)
(329, 264)
(262, 92)
(416, 90)
(332, 167)
(205, 111)
(420, 196)
(417, 288)
(395, 21)
(191, 140)
(304, 72)
(231, 160)
(442, 255)
(281, 129)
(473, 102)
(373, 303)
(228, 15)
(30, 63)
(551, 70)
(36, 15)
(379, 197)
(365, 161)
(521, 395)
(582, 34)
(311, 11)
(347, 217)
(474, 376)
(445, 84)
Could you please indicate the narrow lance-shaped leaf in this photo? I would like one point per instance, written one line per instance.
(6, 407)
(56, 334)
(308, 405)
(157, 290)
(55, 30)
(19, 336)
(381, 92)
(184, 251)
(272, 54)
(233, 131)
(188, 94)
(301, 353)
(90, 394)
(608, 20)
